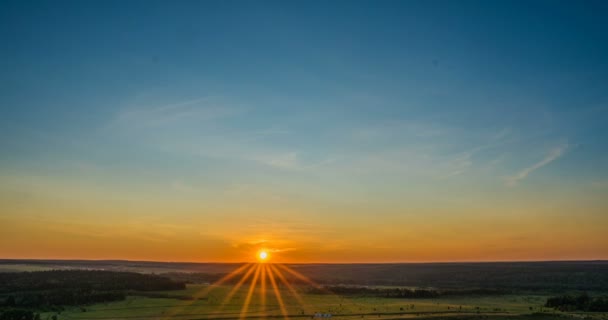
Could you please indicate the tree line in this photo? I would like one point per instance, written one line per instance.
(401, 292)
(25, 292)
(85, 279)
(581, 302)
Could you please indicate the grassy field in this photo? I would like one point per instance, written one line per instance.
(524, 289)
(209, 305)
(22, 268)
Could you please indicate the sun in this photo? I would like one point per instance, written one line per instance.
(263, 255)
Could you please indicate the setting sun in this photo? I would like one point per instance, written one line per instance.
(262, 256)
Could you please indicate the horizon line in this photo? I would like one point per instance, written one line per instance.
(304, 263)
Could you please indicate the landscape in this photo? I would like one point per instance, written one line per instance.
(89, 290)
(303, 159)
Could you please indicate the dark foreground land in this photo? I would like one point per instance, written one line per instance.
(96, 290)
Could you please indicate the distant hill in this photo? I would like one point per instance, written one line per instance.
(574, 275)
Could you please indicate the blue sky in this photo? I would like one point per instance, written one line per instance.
(356, 108)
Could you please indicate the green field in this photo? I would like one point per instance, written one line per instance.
(208, 305)
(22, 268)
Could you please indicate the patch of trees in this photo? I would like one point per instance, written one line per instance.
(581, 302)
(51, 290)
(51, 300)
(402, 292)
(18, 314)
(85, 279)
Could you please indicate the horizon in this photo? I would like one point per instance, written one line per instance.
(312, 131)
(300, 263)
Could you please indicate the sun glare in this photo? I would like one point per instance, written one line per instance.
(257, 273)
(262, 255)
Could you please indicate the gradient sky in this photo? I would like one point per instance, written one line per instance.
(330, 131)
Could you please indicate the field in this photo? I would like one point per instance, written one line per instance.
(209, 306)
(22, 268)
(100, 290)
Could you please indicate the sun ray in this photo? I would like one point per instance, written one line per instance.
(277, 294)
(208, 289)
(301, 277)
(291, 289)
(312, 283)
(250, 292)
(235, 288)
(232, 274)
(221, 281)
(263, 288)
(305, 279)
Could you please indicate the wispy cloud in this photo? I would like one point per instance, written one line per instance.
(287, 160)
(203, 127)
(553, 155)
(262, 244)
(143, 115)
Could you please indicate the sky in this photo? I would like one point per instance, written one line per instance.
(322, 131)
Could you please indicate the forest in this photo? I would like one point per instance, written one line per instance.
(581, 302)
(22, 292)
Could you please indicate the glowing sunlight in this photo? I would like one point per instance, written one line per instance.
(263, 256)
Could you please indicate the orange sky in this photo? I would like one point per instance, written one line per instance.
(324, 131)
(112, 229)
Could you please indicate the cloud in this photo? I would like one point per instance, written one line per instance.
(553, 155)
(262, 244)
(201, 109)
(287, 160)
(205, 127)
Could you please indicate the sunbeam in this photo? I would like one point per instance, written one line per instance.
(250, 292)
(291, 289)
(263, 288)
(236, 288)
(301, 277)
(208, 289)
(312, 283)
(277, 294)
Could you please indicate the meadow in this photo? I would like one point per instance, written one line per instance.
(266, 306)
(81, 290)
